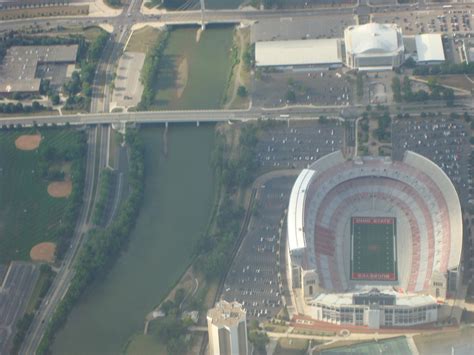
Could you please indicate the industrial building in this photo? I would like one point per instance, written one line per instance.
(24, 67)
(429, 48)
(299, 54)
(227, 329)
(373, 242)
(374, 46)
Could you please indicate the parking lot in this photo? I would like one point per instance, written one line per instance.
(327, 88)
(441, 139)
(253, 276)
(15, 292)
(448, 21)
(330, 26)
(299, 144)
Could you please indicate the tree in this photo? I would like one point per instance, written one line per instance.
(290, 96)
(259, 340)
(397, 89)
(55, 99)
(242, 91)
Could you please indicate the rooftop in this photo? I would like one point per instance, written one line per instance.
(373, 38)
(226, 314)
(429, 47)
(18, 69)
(298, 52)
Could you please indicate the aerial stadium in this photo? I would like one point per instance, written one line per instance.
(372, 241)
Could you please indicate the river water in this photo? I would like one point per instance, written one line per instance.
(179, 191)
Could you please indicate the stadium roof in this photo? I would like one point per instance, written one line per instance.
(299, 52)
(429, 47)
(372, 38)
(296, 239)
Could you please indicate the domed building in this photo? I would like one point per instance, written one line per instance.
(374, 46)
(372, 241)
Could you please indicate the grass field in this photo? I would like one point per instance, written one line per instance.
(27, 212)
(397, 346)
(373, 248)
(143, 39)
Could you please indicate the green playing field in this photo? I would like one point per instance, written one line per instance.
(373, 248)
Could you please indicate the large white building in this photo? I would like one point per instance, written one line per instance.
(299, 54)
(227, 329)
(394, 278)
(429, 48)
(374, 46)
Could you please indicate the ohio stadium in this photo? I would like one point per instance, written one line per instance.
(373, 242)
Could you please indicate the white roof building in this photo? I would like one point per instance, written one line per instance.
(429, 48)
(374, 46)
(311, 52)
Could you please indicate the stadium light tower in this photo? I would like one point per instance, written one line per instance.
(203, 8)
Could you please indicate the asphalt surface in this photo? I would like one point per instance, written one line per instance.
(443, 140)
(253, 279)
(15, 293)
(299, 144)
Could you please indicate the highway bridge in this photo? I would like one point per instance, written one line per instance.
(202, 116)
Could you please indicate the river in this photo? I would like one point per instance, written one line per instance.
(179, 190)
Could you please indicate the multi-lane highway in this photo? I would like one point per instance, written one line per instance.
(132, 14)
(293, 112)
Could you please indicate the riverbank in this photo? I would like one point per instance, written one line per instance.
(203, 281)
(173, 215)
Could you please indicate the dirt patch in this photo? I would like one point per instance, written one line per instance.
(28, 141)
(43, 252)
(60, 189)
(182, 78)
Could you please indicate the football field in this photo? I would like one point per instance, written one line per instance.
(373, 248)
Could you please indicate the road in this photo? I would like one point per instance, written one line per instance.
(65, 274)
(297, 112)
(133, 15)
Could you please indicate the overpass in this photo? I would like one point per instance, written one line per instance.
(203, 116)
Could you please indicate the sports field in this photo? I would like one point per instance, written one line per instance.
(28, 214)
(373, 248)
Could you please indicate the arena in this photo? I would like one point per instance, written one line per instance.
(374, 46)
(373, 242)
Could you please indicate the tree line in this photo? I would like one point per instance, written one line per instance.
(149, 72)
(104, 195)
(403, 91)
(79, 88)
(445, 68)
(102, 246)
(20, 108)
(213, 251)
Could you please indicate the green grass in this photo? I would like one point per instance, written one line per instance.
(142, 344)
(143, 39)
(27, 212)
(373, 247)
(395, 346)
(205, 68)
